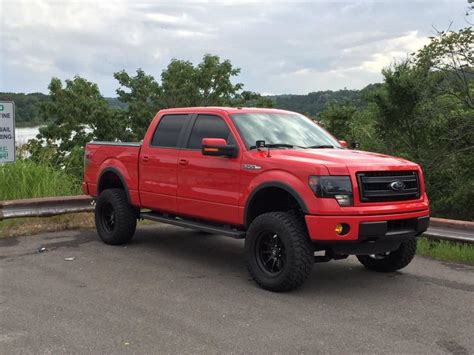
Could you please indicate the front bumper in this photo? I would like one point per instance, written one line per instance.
(367, 227)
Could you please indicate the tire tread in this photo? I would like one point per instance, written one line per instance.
(303, 251)
(396, 260)
(125, 217)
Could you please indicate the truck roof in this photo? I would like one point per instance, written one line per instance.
(229, 110)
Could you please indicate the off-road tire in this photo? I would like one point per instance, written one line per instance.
(396, 260)
(299, 252)
(125, 217)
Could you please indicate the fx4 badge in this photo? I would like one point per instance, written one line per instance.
(251, 167)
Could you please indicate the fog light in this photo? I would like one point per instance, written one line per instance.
(343, 200)
(341, 229)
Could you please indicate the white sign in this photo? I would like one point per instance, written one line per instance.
(7, 131)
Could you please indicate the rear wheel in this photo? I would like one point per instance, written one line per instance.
(279, 253)
(391, 261)
(115, 218)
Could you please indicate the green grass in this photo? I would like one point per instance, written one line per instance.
(27, 179)
(447, 251)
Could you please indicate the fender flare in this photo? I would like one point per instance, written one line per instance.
(121, 178)
(277, 184)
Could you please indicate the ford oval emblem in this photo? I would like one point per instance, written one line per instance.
(397, 185)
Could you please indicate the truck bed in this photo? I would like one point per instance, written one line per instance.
(122, 155)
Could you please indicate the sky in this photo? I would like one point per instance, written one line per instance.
(281, 47)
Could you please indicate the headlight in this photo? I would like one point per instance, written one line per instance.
(338, 187)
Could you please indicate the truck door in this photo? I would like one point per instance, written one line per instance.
(158, 163)
(208, 186)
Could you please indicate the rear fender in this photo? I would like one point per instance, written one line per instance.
(116, 167)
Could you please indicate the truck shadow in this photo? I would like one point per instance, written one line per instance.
(212, 254)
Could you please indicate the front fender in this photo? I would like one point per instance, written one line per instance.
(281, 179)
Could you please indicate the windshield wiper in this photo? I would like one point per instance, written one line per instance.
(320, 146)
(277, 145)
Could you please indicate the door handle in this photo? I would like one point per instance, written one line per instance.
(145, 158)
(183, 161)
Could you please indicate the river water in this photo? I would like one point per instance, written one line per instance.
(23, 134)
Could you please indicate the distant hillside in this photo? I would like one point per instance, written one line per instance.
(314, 102)
(27, 105)
(114, 102)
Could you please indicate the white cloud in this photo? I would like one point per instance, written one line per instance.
(282, 47)
(392, 50)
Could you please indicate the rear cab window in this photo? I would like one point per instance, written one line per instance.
(169, 131)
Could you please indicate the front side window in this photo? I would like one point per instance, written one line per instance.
(285, 128)
(168, 131)
(207, 126)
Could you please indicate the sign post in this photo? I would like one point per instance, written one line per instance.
(7, 131)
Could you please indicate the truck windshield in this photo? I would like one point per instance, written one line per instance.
(277, 128)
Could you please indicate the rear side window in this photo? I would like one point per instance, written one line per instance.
(207, 126)
(168, 131)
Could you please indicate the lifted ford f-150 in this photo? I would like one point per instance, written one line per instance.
(275, 178)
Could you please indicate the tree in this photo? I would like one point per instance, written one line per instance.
(143, 99)
(338, 118)
(213, 79)
(452, 54)
(251, 99)
(78, 114)
(208, 83)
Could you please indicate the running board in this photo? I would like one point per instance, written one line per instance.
(200, 226)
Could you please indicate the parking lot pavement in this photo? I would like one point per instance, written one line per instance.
(174, 290)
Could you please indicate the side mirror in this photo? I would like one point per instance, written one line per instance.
(355, 145)
(218, 147)
(343, 144)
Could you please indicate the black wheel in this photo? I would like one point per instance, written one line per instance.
(391, 261)
(115, 218)
(279, 253)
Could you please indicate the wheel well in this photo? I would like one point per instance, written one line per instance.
(270, 199)
(110, 180)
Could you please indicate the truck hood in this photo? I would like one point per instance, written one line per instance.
(343, 161)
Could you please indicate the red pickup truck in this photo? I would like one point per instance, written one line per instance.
(273, 177)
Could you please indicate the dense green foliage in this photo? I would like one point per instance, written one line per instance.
(27, 179)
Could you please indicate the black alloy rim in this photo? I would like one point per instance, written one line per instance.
(270, 253)
(108, 217)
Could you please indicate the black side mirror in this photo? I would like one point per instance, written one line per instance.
(355, 145)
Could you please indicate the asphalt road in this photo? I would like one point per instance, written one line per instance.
(177, 291)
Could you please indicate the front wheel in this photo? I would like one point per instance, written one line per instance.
(391, 261)
(278, 251)
(115, 218)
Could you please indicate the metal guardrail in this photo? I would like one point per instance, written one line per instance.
(45, 207)
(440, 228)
